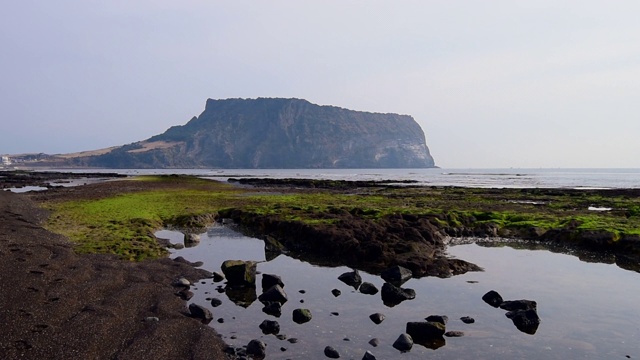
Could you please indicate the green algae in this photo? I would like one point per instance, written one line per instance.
(123, 223)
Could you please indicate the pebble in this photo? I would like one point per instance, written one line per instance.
(331, 353)
(183, 282)
(368, 356)
(454, 334)
(404, 343)
(377, 318)
(467, 320)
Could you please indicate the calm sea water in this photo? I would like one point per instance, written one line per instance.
(588, 310)
(497, 178)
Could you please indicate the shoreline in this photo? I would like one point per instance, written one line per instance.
(57, 304)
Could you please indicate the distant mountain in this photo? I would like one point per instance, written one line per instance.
(274, 133)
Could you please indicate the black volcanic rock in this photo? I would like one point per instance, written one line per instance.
(277, 133)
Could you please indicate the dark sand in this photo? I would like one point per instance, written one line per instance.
(56, 304)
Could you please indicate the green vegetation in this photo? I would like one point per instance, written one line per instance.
(122, 221)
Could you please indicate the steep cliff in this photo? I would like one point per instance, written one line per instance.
(277, 133)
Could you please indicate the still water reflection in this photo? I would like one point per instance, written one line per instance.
(588, 310)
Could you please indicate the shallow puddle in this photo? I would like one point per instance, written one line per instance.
(588, 310)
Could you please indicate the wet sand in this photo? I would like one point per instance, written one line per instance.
(56, 304)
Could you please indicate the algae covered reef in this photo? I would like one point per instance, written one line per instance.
(365, 225)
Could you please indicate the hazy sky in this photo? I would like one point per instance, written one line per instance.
(492, 83)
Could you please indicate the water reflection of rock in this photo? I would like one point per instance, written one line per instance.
(427, 333)
(242, 296)
(432, 343)
(191, 239)
(584, 255)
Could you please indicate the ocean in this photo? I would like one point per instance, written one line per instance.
(485, 178)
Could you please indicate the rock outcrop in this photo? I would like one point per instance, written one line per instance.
(275, 133)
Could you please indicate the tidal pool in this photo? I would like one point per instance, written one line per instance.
(588, 310)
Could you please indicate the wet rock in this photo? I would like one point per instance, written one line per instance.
(239, 273)
(526, 321)
(368, 288)
(273, 294)
(396, 275)
(377, 318)
(270, 280)
(197, 263)
(404, 343)
(301, 316)
(368, 356)
(178, 246)
(272, 308)
(293, 340)
(374, 342)
(221, 320)
(492, 298)
(185, 294)
(393, 295)
(336, 292)
(468, 320)
(217, 277)
(454, 334)
(335, 313)
(331, 353)
(182, 282)
(215, 302)
(200, 312)
(351, 278)
(519, 305)
(442, 319)
(257, 349)
(232, 350)
(270, 327)
(182, 260)
(422, 331)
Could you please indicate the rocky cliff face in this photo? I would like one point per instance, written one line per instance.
(277, 133)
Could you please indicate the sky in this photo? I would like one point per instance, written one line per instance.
(493, 84)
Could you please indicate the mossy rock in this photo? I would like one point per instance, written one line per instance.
(239, 272)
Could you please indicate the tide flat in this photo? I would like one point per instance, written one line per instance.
(588, 310)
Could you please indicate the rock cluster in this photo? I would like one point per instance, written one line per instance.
(429, 333)
(523, 313)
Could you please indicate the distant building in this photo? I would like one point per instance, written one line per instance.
(6, 160)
